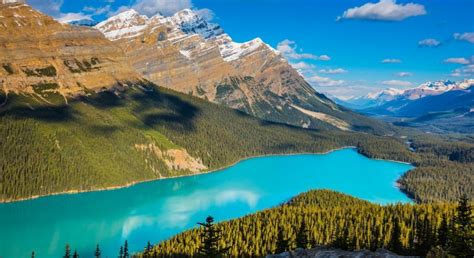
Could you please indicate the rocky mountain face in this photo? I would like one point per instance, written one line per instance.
(42, 57)
(186, 53)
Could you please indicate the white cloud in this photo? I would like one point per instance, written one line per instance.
(70, 17)
(302, 66)
(205, 13)
(288, 49)
(468, 36)
(429, 43)
(391, 61)
(165, 7)
(404, 74)
(333, 71)
(466, 71)
(324, 58)
(397, 83)
(98, 10)
(53, 8)
(49, 7)
(320, 81)
(457, 60)
(349, 90)
(385, 10)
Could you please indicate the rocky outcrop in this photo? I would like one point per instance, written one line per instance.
(43, 57)
(186, 53)
(335, 253)
(175, 159)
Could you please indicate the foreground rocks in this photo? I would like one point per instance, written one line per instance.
(332, 252)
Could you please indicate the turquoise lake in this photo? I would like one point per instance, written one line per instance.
(160, 209)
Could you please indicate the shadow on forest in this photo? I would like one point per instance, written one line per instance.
(46, 113)
(152, 106)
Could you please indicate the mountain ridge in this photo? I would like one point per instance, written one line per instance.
(186, 53)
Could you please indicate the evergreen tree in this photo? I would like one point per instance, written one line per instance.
(462, 245)
(125, 250)
(395, 242)
(75, 255)
(33, 254)
(443, 233)
(210, 237)
(97, 252)
(121, 252)
(67, 253)
(424, 236)
(282, 244)
(302, 236)
(148, 250)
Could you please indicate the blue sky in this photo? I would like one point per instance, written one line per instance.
(339, 45)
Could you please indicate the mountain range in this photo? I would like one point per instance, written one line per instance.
(186, 53)
(434, 106)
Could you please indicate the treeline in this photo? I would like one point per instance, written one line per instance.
(437, 176)
(326, 218)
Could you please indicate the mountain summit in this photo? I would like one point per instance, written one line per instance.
(186, 53)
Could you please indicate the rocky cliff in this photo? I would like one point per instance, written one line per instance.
(45, 58)
(186, 53)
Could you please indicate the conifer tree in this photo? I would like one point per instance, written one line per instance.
(148, 252)
(75, 255)
(67, 252)
(443, 233)
(302, 236)
(210, 237)
(97, 252)
(395, 242)
(462, 245)
(282, 244)
(121, 252)
(33, 254)
(125, 250)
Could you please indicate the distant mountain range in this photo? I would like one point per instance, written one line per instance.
(434, 106)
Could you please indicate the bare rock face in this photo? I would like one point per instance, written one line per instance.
(187, 54)
(321, 252)
(41, 56)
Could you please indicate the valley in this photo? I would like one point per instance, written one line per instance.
(131, 128)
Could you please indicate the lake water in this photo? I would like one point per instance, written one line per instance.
(157, 210)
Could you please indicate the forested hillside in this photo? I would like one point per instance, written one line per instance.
(114, 138)
(326, 218)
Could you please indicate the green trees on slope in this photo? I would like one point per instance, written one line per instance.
(91, 144)
(341, 221)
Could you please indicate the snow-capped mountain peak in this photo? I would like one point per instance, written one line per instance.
(126, 24)
(191, 23)
(423, 90)
(388, 93)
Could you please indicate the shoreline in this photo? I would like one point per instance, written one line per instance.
(134, 183)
